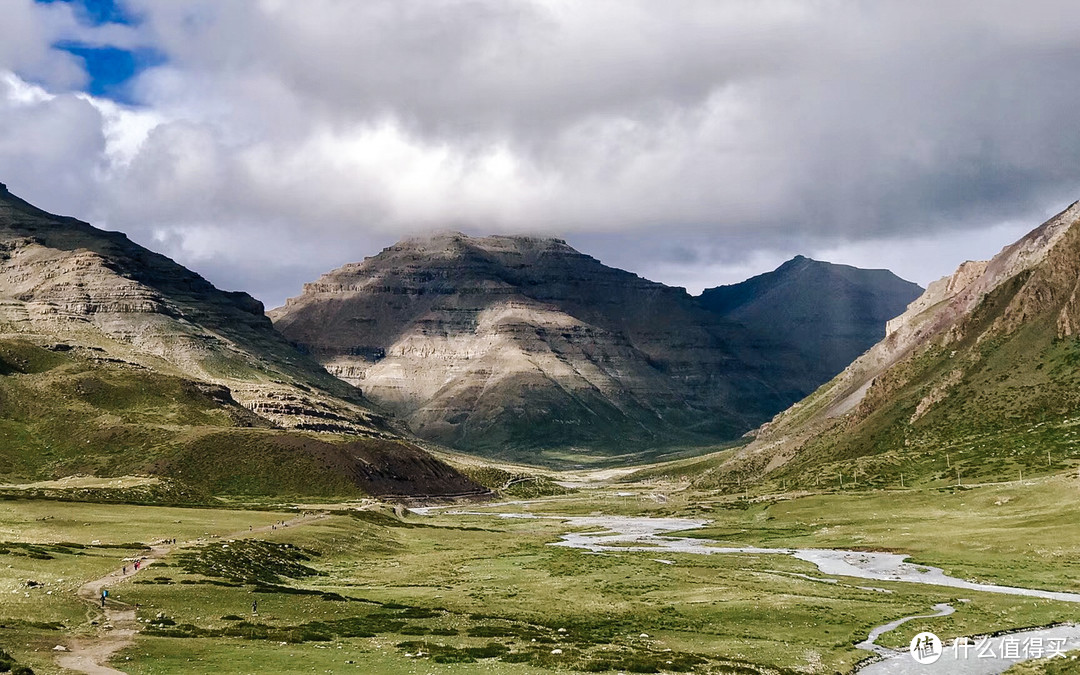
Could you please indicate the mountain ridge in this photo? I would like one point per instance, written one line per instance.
(155, 367)
(526, 342)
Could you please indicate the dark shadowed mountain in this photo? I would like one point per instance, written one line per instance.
(829, 313)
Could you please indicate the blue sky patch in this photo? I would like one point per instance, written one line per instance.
(109, 68)
(97, 12)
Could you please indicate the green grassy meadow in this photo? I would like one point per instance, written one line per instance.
(454, 593)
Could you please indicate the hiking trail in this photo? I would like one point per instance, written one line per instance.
(118, 627)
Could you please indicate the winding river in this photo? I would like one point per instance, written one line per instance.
(609, 534)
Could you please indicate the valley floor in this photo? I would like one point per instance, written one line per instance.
(480, 588)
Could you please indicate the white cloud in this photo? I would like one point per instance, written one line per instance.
(749, 129)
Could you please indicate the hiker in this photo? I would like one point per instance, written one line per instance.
(254, 606)
(125, 569)
(104, 594)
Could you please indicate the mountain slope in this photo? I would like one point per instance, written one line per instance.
(977, 380)
(830, 313)
(512, 344)
(114, 358)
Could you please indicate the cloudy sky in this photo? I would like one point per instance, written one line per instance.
(262, 142)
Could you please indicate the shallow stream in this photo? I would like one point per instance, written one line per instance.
(610, 534)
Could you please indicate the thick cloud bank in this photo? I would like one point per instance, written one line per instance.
(693, 142)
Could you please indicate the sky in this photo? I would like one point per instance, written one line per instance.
(694, 142)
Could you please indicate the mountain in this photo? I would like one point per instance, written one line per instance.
(978, 380)
(510, 345)
(117, 359)
(829, 313)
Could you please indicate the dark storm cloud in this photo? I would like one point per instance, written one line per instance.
(689, 141)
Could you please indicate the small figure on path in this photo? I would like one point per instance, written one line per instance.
(254, 606)
(104, 594)
(125, 569)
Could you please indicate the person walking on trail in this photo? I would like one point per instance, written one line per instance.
(125, 569)
(254, 606)
(104, 594)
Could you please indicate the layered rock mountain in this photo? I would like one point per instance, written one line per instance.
(108, 340)
(511, 344)
(67, 279)
(977, 379)
(829, 313)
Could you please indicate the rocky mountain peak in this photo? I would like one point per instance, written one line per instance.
(797, 262)
(477, 254)
(458, 242)
(831, 313)
(427, 267)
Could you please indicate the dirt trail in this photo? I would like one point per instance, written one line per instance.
(118, 626)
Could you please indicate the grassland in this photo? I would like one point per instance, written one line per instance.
(60, 545)
(458, 593)
(68, 411)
